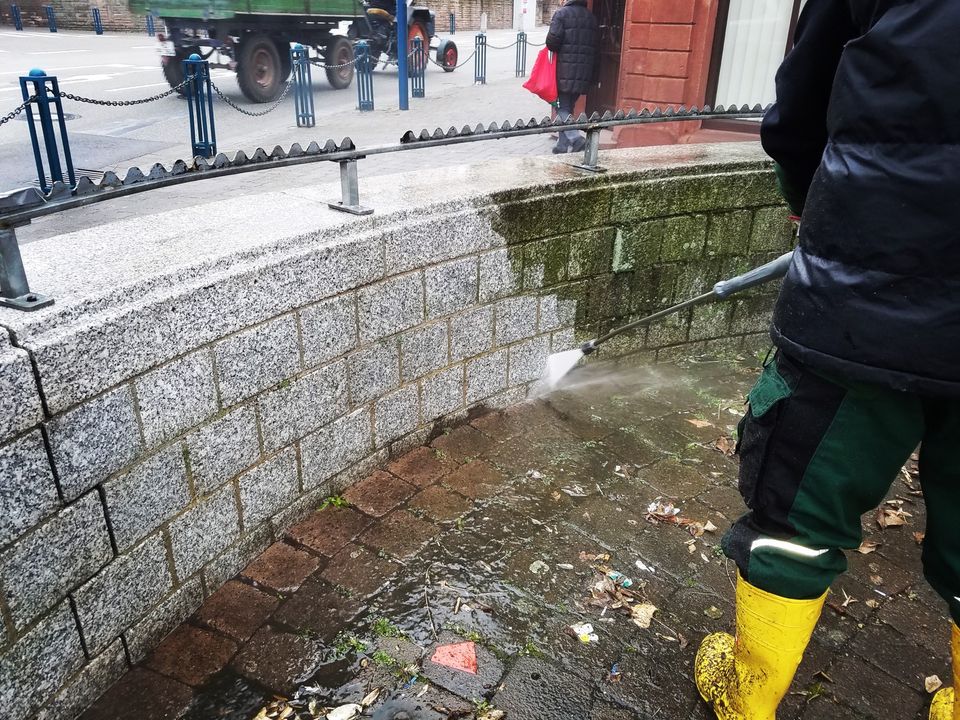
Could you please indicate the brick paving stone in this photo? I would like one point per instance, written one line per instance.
(462, 444)
(191, 655)
(476, 480)
(922, 614)
(421, 467)
(440, 504)
(282, 568)
(379, 494)
(673, 479)
(535, 690)
(358, 570)
(399, 534)
(227, 697)
(141, 695)
(318, 608)
(277, 660)
(462, 684)
(499, 425)
(328, 530)
(857, 685)
(237, 610)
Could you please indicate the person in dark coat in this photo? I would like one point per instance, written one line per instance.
(866, 140)
(575, 37)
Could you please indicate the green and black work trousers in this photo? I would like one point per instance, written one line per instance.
(816, 453)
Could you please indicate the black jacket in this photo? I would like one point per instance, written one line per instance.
(866, 131)
(575, 37)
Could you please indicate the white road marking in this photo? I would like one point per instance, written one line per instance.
(117, 66)
(57, 52)
(145, 47)
(160, 84)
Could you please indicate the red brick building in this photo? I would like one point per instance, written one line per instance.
(657, 53)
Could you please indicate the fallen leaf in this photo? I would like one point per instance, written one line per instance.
(370, 698)
(876, 580)
(587, 557)
(888, 517)
(873, 604)
(691, 548)
(709, 527)
(726, 445)
(918, 537)
(714, 613)
(932, 683)
(867, 547)
(699, 423)
(345, 712)
(642, 614)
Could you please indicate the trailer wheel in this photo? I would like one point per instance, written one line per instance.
(447, 55)
(339, 52)
(285, 63)
(173, 72)
(417, 29)
(259, 69)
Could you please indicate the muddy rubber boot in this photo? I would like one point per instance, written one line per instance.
(746, 678)
(946, 704)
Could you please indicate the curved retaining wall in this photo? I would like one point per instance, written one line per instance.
(209, 375)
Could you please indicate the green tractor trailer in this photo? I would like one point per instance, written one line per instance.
(253, 37)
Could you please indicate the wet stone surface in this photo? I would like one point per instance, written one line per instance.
(498, 534)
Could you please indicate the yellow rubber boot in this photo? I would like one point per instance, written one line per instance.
(746, 678)
(946, 704)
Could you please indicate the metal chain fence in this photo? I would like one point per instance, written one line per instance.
(17, 110)
(319, 64)
(466, 60)
(124, 103)
(239, 109)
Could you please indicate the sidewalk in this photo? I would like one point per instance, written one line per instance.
(500, 537)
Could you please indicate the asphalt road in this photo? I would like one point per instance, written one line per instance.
(127, 67)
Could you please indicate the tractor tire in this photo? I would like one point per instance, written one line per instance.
(260, 69)
(417, 29)
(447, 55)
(173, 72)
(339, 52)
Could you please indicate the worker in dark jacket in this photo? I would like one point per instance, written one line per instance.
(866, 139)
(575, 37)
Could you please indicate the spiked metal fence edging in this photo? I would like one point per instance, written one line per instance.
(19, 207)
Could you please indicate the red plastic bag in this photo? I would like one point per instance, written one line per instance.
(543, 76)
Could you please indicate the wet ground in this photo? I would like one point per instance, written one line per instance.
(503, 534)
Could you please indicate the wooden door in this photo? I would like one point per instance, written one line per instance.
(610, 15)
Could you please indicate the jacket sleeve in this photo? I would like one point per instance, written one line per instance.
(555, 35)
(794, 130)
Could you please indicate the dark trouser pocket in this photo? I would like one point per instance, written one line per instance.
(757, 428)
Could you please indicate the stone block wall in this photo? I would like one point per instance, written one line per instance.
(155, 437)
(78, 14)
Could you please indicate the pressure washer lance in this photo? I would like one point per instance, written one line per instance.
(559, 364)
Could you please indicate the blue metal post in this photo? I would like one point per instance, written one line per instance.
(151, 26)
(480, 59)
(97, 22)
(51, 17)
(402, 50)
(302, 86)
(521, 54)
(47, 93)
(203, 133)
(453, 24)
(17, 20)
(364, 66)
(419, 68)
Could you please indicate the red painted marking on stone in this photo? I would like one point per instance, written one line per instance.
(459, 656)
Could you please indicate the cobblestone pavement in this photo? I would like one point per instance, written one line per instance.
(492, 535)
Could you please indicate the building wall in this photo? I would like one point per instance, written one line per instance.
(499, 13)
(665, 61)
(182, 404)
(76, 14)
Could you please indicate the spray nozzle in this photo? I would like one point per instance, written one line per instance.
(588, 347)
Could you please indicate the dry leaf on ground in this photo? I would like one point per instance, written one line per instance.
(932, 683)
(889, 517)
(642, 614)
(868, 546)
(699, 423)
(725, 444)
(918, 537)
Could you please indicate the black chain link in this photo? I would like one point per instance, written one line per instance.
(319, 64)
(124, 103)
(441, 65)
(17, 110)
(261, 113)
(503, 47)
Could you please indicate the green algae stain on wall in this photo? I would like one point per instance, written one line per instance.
(626, 249)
